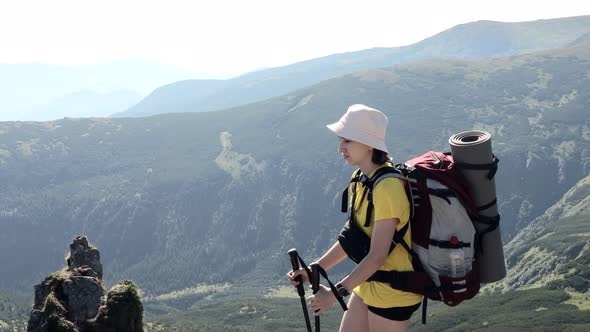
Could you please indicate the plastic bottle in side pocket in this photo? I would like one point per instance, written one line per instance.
(456, 263)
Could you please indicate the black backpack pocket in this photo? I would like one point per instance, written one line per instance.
(354, 241)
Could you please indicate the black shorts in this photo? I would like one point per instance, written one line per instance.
(395, 313)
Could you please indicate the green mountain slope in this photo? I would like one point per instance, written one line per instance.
(554, 249)
(180, 199)
(14, 310)
(555, 270)
(482, 39)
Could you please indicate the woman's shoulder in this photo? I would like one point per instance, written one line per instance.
(389, 186)
(390, 182)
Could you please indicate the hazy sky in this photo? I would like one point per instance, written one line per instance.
(221, 36)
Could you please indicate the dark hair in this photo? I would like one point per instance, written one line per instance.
(379, 157)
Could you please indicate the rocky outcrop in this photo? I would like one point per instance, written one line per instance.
(121, 311)
(73, 299)
(84, 257)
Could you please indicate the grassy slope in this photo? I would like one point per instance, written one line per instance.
(555, 247)
(531, 310)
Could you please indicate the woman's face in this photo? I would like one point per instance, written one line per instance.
(353, 152)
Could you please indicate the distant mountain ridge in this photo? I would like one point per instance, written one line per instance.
(84, 104)
(178, 96)
(481, 39)
(38, 91)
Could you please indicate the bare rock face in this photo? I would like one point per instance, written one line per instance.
(82, 295)
(84, 256)
(74, 299)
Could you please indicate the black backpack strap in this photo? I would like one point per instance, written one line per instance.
(379, 175)
(488, 205)
(415, 282)
(492, 167)
(492, 223)
(370, 184)
(369, 188)
(344, 207)
(398, 237)
(388, 172)
(355, 178)
(408, 281)
(449, 244)
(424, 305)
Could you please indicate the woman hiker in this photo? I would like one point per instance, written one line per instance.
(373, 306)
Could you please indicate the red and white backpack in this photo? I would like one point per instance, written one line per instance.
(444, 242)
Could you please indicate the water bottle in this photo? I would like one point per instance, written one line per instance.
(457, 263)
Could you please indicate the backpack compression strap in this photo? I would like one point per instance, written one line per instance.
(492, 167)
(491, 222)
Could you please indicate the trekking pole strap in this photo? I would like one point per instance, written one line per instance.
(332, 288)
(324, 274)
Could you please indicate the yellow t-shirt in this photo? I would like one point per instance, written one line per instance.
(389, 201)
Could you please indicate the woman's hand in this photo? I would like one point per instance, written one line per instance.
(321, 301)
(294, 274)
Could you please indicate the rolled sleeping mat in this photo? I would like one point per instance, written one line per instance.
(472, 154)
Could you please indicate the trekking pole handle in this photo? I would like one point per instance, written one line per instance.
(300, 290)
(315, 277)
(295, 265)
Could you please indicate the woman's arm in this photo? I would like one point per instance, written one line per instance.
(381, 238)
(380, 243)
(332, 257)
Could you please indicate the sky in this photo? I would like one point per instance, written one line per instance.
(221, 37)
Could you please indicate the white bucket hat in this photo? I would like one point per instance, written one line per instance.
(362, 124)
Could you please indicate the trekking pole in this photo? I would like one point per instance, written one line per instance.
(315, 286)
(295, 264)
